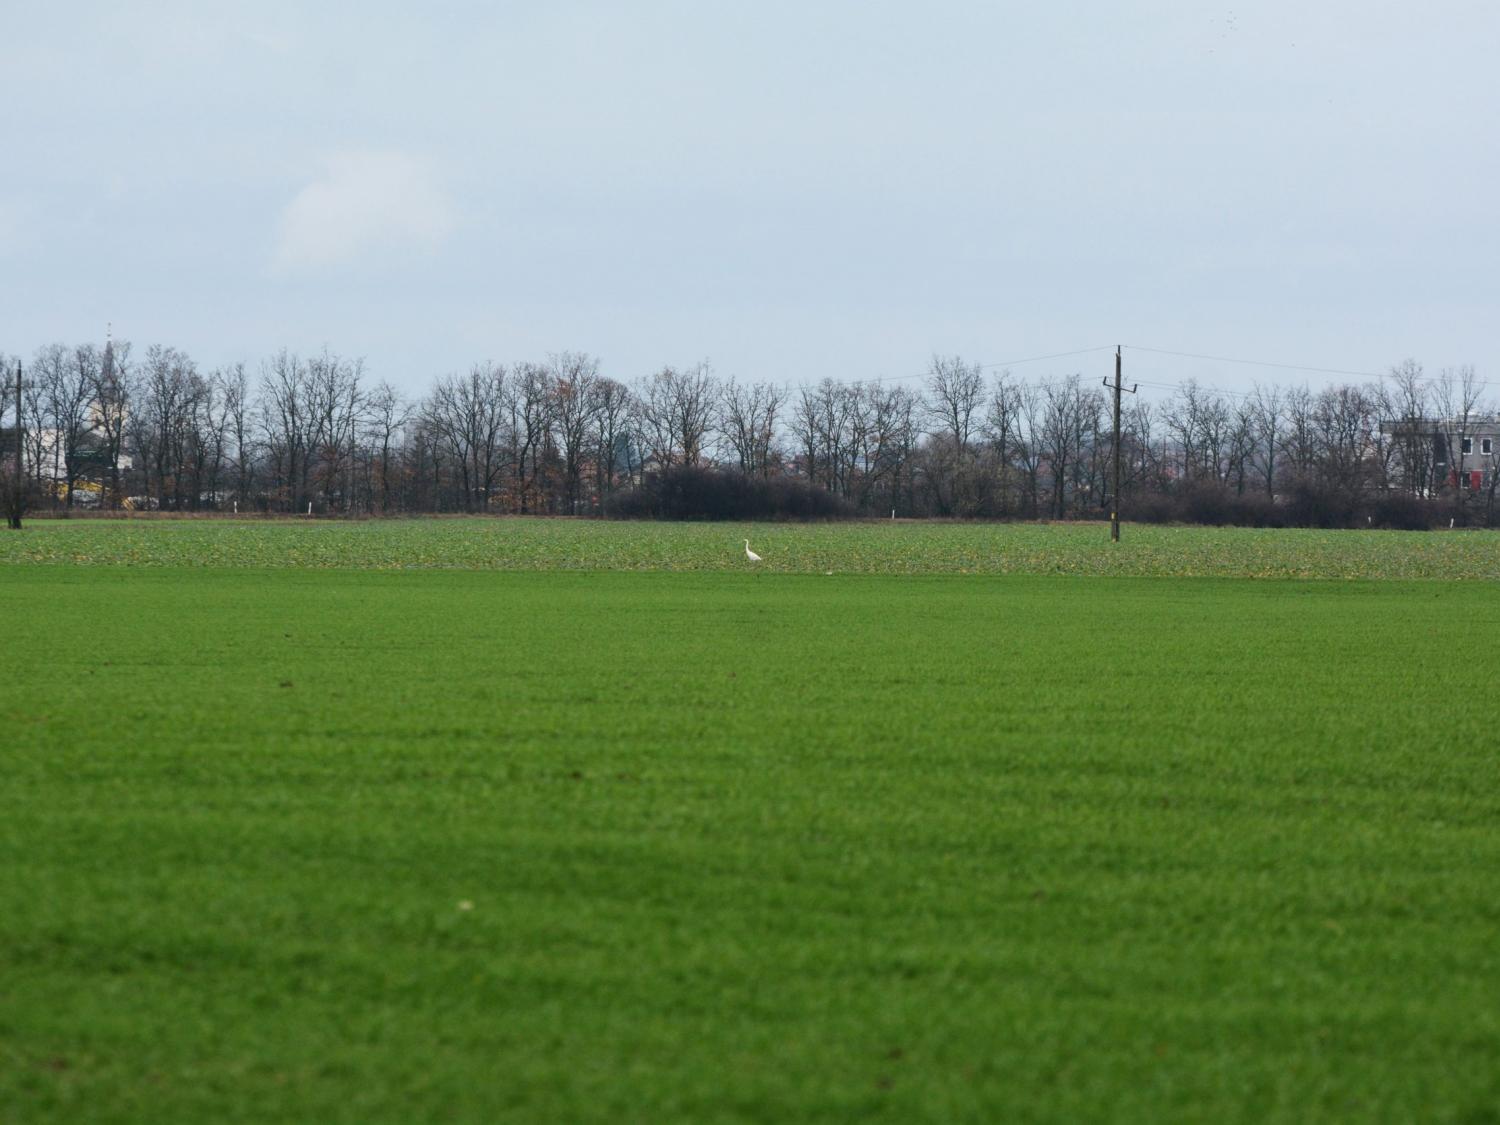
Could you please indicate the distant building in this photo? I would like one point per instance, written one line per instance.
(90, 460)
(1465, 452)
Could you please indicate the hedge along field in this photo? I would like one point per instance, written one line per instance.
(860, 548)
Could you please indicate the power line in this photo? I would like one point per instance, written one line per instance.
(1054, 355)
(1284, 367)
(1263, 363)
(1161, 384)
(1003, 363)
(1348, 372)
(1163, 351)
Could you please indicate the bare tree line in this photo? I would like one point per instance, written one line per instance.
(109, 427)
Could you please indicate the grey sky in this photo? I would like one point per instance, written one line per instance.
(790, 189)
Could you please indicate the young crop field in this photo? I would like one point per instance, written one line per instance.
(554, 821)
(863, 548)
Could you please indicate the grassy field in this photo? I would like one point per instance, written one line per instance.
(868, 548)
(559, 844)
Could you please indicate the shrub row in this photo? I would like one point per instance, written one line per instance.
(1302, 504)
(693, 493)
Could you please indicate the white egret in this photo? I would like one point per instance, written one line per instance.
(749, 554)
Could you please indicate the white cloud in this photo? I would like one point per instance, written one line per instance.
(366, 208)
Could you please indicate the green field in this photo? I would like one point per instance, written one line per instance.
(588, 822)
(868, 548)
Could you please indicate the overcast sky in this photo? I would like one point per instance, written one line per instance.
(791, 190)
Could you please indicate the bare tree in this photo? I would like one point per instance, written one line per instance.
(1344, 418)
(807, 430)
(37, 447)
(1030, 444)
(387, 415)
(956, 394)
(1141, 463)
(1240, 451)
(423, 464)
(529, 402)
(285, 425)
(209, 442)
(1002, 422)
(1456, 392)
(1215, 425)
(469, 417)
(233, 385)
(677, 410)
(1093, 446)
(1299, 447)
(748, 417)
(835, 419)
(1410, 427)
(165, 424)
(334, 409)
(65, 378)
(612, 437)
(575, 383)
(894, 431)
(1266, 407)
(1062, 428)
(1200, 421)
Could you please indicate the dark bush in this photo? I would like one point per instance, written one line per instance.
(1249, 509)
(1209, 504)
(1310, 504)
(1150, 507)
(1206, 503)
(692, 493)
(1256, 509)
(1400, 511)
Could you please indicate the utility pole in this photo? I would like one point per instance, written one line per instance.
(1114, 496)
(17, 495)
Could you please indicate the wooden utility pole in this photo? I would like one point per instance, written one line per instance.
(18, 496)
(1114, 495)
